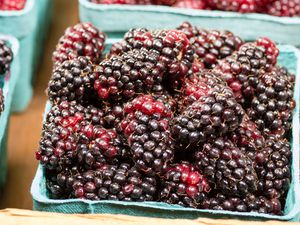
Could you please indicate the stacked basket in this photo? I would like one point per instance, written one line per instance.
(30, 28)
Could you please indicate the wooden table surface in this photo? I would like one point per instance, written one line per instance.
(25, 127)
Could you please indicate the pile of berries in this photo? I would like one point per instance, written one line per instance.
(12, 5)
(188, 116)
(286, 8)
(6, 57)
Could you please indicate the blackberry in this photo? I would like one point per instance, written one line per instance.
(242, 6)
(6, 57)
(74, 134)
(248, 138)
(191, 4)
(123, 182)
(73, 80)
(12, 5)
(210, 45)
(123, 77)
(226, 167)
(197, 85)
(184, 185)
(146, 127)
(250, 203)
(289, 8)
(83, 39)
(212, 115)
(241, 70)
(172, 46)
(272, 105)
(273, 167)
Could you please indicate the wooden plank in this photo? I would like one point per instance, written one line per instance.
(18, 216)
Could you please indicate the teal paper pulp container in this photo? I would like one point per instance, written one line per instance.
(29, 26)
(289, 57)
(117, 19)
(9, 84)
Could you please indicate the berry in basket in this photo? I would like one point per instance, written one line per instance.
(157, 119)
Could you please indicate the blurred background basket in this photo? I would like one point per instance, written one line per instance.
(9, 84)
(116, 19)
(30, 28)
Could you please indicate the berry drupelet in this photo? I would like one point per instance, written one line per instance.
(73, 134)
(226, 167)
(83, 39)
(172, 46)
(73, 80)
(122, 182)
(210, 45)
(146, 127)
(273, 168)
(122, 77)
(184, 185)
(6, 57)
(272, 105)
(214, 114)
(241, 70)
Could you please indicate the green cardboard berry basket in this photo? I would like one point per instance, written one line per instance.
(8, 84)
(289, 57)
(29, 26)
(115, 19)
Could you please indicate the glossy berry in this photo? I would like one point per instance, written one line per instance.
(6, 57)
(184, 185)
(122, 77)
(147, 130)
(241, 70)
(72, 80)
(272, 105)
(172, 46)
(74, 134)
(83, 39)
(226, 167)
(210, 45)
(196, 86)
(273, 167)
(214, 114)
